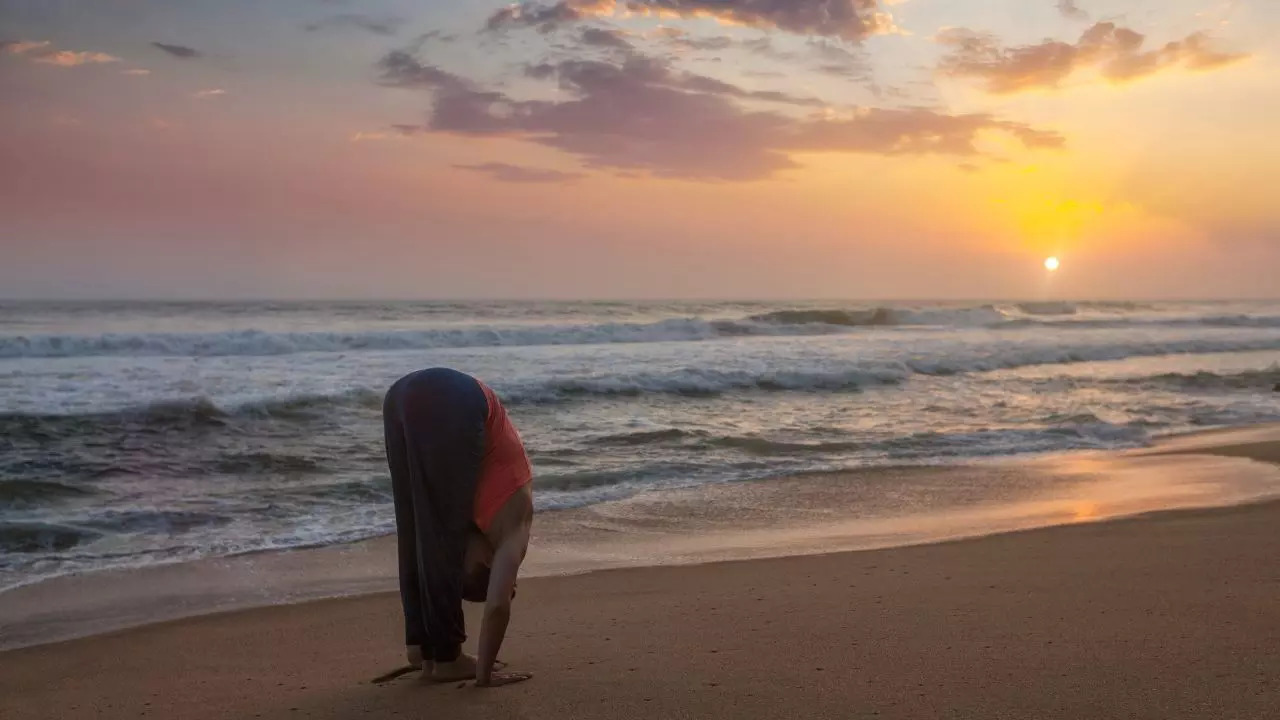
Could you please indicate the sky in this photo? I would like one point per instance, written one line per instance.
(880, 149)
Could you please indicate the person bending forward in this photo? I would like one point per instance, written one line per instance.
(462, 486)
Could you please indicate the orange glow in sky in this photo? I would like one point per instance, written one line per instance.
(729, 149)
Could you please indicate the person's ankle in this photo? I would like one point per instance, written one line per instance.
(447, 656)
(462, 667)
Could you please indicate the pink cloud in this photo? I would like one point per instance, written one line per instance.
(21, 47)
(1116, 52)
(41, 51)
(68, 58)
(368, 136)
(852, 20)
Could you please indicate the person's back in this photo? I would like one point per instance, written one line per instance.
(505, 468)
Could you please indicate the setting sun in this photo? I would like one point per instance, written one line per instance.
(1051, 264)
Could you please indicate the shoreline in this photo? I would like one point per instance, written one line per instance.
(91, 604)
(1169, 616)
(1269, 505)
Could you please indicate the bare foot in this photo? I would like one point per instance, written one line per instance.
(464, 668)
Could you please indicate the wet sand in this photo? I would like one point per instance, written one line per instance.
(1167, 615)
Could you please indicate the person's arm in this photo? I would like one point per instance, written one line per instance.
(497, 608)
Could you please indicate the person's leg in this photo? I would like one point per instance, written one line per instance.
(411, 590)
(444, 419)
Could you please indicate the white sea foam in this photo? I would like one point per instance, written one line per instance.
(801, 322)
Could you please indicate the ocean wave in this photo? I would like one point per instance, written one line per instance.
(352, 491)
(1240, 320)
(846, 318)
(787, 322)
(750, 445)
(35, 537)
(17, 491)
(161, 521)
(265, 462)
(1047, 308)
(1005, 357)
(1062, 307)
(1175, 321)
(764, 447)
(258, 343)
(1261, 380)
(255, 342)
(644, 437)
(688, 382)
(581, 481)
(1064, 435)
(194, 411)
(976, 316)
(700, 382)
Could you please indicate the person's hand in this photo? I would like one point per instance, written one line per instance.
(499, 679)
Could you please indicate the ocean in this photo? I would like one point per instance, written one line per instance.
(141, 433)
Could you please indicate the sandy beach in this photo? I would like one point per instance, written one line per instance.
(1166, 615)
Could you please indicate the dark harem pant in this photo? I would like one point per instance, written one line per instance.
(433, 422)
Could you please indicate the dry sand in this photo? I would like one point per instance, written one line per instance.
(1171, 615)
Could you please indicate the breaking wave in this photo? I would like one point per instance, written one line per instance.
(789, 322)
(1261, 380)
(690, 382)
(33, 537)
(18, 492)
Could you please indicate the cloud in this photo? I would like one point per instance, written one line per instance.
(384, 26)
(680, 38)
(831, 55)
(22, 47)
(578, 74)
(365, 136)
(399, 68)
(393, 132)
(214, 92)
(605, 38)
(677, 38)
(69, 58)
(637, 114)
(136, 71)
(1115, 52)
(178, 51)
(848, 19)
(521, 174)
(834, 58)
(41, 51)
(1069, 9)
(436, 36)
(546, 18)
(835, 51)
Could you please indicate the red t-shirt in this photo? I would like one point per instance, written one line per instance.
(505, 467)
